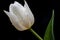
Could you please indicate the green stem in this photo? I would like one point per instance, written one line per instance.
(35, 34)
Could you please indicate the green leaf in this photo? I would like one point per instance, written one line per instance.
(49, 35)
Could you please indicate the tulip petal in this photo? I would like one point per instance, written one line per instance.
(18, 4)
(8, 13)
(30, 15)
(14, 20)
(20, 13)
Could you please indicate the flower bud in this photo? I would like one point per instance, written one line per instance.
(20, 16)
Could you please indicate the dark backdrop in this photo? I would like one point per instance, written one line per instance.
(42, 11)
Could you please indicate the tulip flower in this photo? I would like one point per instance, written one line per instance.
(20, 16)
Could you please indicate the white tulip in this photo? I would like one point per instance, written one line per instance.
(20, 16)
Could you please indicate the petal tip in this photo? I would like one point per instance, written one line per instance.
(25, 2)
(5, 11)
(15, 2)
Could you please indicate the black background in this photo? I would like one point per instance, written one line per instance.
(42, 10)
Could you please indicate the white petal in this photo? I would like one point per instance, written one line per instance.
(15, 7)
(20, 13)
(14, 20)
(18, 4)
(17, 11)
(30, 15)
(7, 13)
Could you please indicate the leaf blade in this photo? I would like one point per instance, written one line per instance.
(49, 35)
